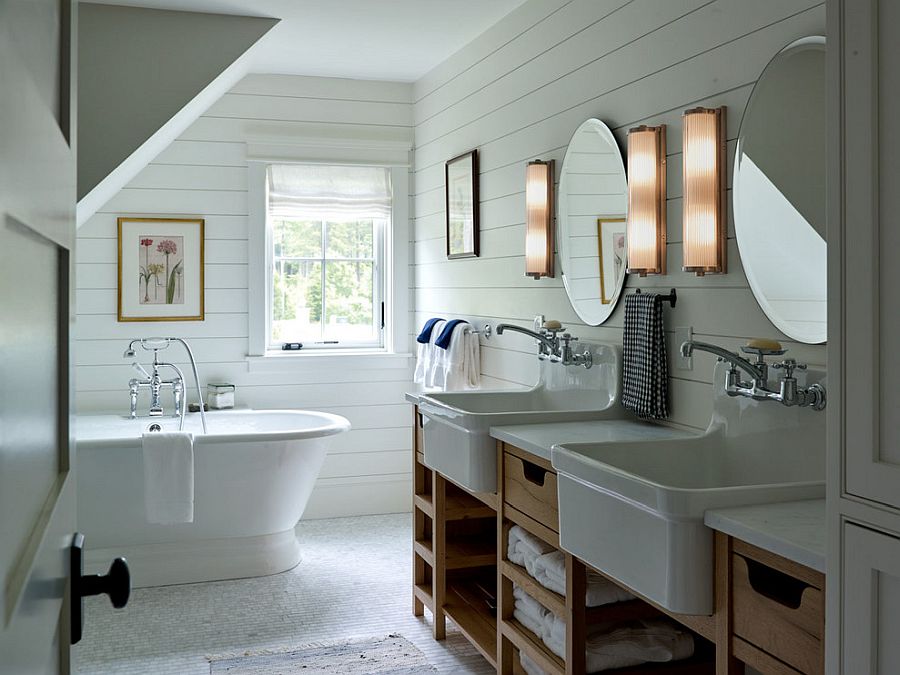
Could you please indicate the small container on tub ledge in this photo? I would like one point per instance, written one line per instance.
(220, 396)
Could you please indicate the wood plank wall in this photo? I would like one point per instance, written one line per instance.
(204, 173)
(519, 91)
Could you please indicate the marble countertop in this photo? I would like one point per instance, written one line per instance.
(539, 438)
(793, 530)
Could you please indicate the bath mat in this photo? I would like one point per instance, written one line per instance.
(388, 655)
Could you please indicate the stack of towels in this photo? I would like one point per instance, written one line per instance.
(448, 355)
(548, 567)
(608, 645)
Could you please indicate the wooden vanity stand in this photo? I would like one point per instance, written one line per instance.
(769, 611)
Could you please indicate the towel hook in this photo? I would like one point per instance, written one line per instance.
(672, 297)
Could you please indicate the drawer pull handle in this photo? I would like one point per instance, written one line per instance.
(775, 585)
(533, 473)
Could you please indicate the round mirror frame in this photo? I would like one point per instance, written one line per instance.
(744, 224)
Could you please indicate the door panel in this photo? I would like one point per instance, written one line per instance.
(871, 601)
(869, 240)
(37, 228)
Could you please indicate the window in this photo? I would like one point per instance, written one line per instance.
(327, 227)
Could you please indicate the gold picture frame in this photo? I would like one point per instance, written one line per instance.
(614, 263)
(160, 269)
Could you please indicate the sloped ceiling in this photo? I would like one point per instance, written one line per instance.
(143, 76)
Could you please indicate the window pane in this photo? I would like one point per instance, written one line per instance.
(348, 301)
(297, 301)
(351, 240)
(297, 238)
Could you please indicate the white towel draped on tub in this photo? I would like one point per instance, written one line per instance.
(169, 477)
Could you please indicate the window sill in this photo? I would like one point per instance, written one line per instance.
(328, 359)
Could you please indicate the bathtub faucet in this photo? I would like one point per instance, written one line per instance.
(154, 381)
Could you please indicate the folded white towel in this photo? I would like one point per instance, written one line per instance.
(609, 645)
(529, 666)
(530, 544)
(168, 477)
(550, 572)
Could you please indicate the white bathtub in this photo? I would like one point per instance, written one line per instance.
(253, 475)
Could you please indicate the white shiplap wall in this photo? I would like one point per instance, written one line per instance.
(204, 174)
(519, 91)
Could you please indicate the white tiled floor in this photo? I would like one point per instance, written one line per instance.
(354, 580)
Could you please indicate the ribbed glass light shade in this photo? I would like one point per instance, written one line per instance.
(704, 217)
(646, 200)
(539, 219)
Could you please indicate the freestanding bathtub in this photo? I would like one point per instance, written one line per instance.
(253, 475)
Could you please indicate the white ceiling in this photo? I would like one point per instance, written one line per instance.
(397, 40)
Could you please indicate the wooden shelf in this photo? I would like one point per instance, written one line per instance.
(628, 610)
(553, 601)
(702, 663)
(466, 607)
(459, 505)
(533, 647)
(425, 504)
(422, 548)
(463, 552)
(423, 593)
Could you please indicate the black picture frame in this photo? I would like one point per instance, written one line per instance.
(461, 205)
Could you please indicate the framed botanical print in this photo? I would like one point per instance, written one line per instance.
(160, 269)
(611, 242)
(461, 197)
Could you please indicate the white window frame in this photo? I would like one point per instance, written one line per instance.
(378, 295)
(393, 155)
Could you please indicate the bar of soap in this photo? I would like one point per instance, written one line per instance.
(763, 343)
(552, 324)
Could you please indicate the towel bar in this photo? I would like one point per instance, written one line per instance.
(671, 297)
(486, 330)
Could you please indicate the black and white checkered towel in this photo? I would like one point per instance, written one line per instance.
(645, 377)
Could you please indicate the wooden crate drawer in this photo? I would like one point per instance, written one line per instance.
(531, 488)
(779, 613)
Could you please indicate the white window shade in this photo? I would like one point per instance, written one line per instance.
(332, 193)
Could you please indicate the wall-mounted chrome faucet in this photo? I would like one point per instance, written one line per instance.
(155, 383)
(788, 394)
(552, 346)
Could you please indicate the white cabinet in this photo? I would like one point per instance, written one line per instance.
(864, 332)
(870, 247)
(871, 601)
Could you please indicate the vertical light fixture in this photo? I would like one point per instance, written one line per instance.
(704, 218)
(539, 219)
(646, 228)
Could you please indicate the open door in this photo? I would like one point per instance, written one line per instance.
(37, 236)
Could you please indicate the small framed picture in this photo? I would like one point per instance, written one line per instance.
(611, 239)
(160, 269)
(461, 193)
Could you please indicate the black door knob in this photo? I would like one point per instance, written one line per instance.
(116, 584)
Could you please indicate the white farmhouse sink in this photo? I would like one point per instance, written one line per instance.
(457, 436)
(635, 510)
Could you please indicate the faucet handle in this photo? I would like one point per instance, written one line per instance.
(789, 366)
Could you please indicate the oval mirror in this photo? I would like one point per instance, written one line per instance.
(593, 200)
(779, 191)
